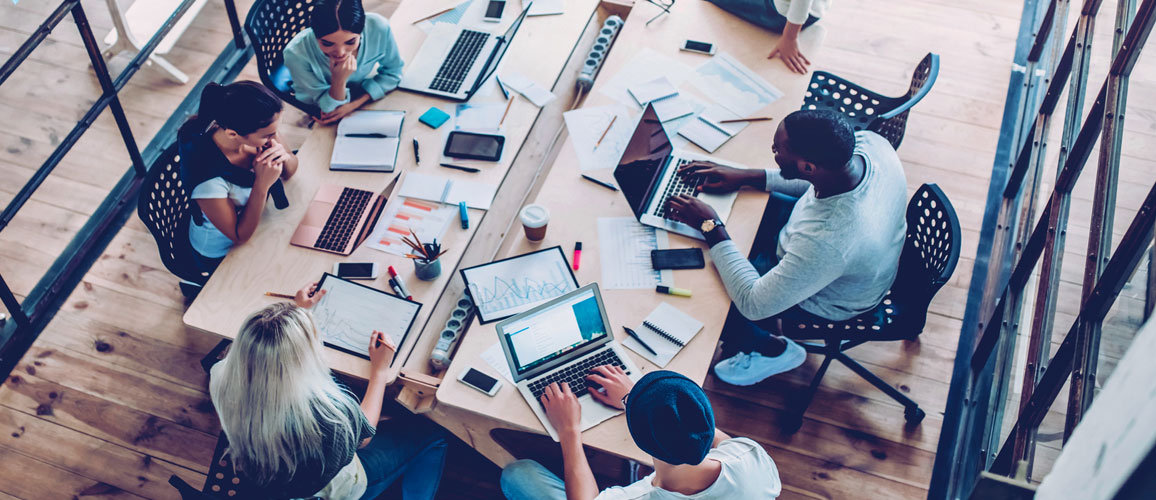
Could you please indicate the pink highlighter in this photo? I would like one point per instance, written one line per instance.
(577, 254)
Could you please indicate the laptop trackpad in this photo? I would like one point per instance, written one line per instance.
(594, 412)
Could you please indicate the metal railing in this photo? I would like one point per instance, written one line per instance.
(985, 357)
(28, 317)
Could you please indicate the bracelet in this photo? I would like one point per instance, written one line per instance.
(624, 396)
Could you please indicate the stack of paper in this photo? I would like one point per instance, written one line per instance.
(367, 140)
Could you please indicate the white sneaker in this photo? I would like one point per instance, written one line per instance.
(749, 369)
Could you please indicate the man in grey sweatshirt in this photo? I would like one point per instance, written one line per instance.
(829, 245)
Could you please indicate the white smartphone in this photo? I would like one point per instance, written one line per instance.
(700, 47)
(494, 11)
(356, 270)
(480, 381)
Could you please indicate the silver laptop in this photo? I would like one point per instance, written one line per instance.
(454, 61)
(562, 341)
(647, 174)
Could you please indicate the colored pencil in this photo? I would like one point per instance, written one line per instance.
(754, 119)
(604, 132)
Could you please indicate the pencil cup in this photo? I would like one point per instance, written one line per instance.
(427, 270)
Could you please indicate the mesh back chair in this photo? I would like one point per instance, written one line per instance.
(163, 207)
(927, 261)
(271, 24)
(221, 482)
(869, 110)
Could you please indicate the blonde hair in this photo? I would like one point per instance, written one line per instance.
(274, 389)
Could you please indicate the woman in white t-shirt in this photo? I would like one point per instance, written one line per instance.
(232, 159)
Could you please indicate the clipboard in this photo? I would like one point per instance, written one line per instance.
(350, 311)
(506, 287)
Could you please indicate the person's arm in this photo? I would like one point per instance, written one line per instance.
(790, 187)
(807, 267)
(381, 352)
(565, 414)
(788, 46)
(223, 214)
(389, 66)
(308, 86)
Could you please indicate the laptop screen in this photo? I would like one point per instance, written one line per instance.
(547, 333)
(641, 163)
(503, 45)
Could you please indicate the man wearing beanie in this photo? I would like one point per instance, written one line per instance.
(669, 418)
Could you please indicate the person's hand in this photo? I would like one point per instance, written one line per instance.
(381, 351)
(267, 172)
(788, 50)
(275, 153)
(341, 70)
(562, 409)
(615, 385)
(337, 114)
(720, 179)
(308, 296)
(690, 210)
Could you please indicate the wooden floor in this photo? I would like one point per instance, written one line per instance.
(111, 401)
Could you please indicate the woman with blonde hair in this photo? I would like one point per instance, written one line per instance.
(294, 432)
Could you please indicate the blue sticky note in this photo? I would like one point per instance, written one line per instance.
(434, 117)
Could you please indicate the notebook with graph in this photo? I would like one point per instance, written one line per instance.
(506, 287)
(349, 312)
(667, 330)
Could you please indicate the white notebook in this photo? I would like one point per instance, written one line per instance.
(376, 149)
(667, 330)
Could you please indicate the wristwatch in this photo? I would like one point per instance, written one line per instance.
(710, 225)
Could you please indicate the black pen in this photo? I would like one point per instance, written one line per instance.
(368, 136)
(606, 185)
(639, 339)
(416, 155)
(459, 167)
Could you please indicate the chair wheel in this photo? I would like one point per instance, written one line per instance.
(914, 415)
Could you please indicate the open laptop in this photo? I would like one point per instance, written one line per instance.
(454, 61)
(339, 218)
(648, 175)
(562, 341)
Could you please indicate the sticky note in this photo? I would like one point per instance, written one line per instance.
(434, 117)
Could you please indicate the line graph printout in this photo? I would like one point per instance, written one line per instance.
(507, 287)
(349, 312)
(734, 86)
(625, 246)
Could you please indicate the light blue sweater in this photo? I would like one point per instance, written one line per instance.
(378, 65)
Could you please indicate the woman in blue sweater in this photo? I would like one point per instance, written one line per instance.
(344, 60)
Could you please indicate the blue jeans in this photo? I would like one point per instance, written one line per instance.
(409, 447)
(529, 480)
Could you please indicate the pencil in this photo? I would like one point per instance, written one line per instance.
(604, 132)
(280, 295)
(435, 14)
(471, 170)
(754, 119)
(509, 103)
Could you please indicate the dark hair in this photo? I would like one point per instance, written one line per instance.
(819, 136)
(331, 16)
(242, 107)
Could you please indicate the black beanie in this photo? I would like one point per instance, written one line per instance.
(670, 418)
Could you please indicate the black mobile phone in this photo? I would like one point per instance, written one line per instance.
(356, 270)
(678, 258)
(474, 146)
(480, 381)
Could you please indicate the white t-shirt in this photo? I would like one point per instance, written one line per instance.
(748, 473)
(206, 239)
(796, 11)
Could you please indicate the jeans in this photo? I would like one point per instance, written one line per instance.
(529, 480)
(760, 13)
(409, 447)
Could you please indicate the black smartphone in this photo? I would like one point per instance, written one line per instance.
(474, 146)
(678, 258)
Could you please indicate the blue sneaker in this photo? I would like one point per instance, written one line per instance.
(749, 369)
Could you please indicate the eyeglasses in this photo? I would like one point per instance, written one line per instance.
(665, 5)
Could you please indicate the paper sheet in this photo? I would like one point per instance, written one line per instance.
(434, 188)
(529, 89)
(497, 360)
(672, 108)
(483, 116)
(706, 131)
(658, 88)
(348, 313)
(586, 125)
(453, 16)
(624, 246)
(734, 86)
(647, 66)
(428, 219)
(546, 7)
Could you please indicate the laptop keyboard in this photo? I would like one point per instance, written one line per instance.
(459, 61)
(677, 185)
(343, 219)
(575, 374)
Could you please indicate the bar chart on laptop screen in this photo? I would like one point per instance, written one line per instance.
(512, 286)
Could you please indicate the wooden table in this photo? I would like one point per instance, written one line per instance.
(268, 263)
(576, 204)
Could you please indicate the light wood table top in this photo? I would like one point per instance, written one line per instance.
(268, 263)
(575, 206)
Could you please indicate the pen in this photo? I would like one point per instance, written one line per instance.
(577, 254)
(464, 215)
(669, 290)
(606, 185)
(416, 155)
(404, 292)
(396, 289)
(370, 136)
(459, 167)
(755, 119)
(639, 339)
(280, 295)
(502, 87)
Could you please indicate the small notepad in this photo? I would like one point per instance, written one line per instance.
(667, 330)
(367, 140)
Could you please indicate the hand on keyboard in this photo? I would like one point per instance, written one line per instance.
(715, 178)
(563, 410)
(609, 385)
(690, 210)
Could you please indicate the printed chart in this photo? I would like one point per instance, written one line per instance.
(349, 312)
(508, 287)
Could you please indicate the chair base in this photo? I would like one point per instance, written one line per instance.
(833, 351)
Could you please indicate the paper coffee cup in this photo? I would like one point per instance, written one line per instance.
(534, 221)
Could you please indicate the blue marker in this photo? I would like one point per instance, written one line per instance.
(464, 215)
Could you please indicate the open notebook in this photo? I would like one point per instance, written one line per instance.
(667, 330)
(368, 140)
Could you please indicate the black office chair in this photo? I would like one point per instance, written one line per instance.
(163, 207)
(271, 24)
(221, 482)
(869, 110)
(927, 261)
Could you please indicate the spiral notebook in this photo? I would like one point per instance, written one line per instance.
(667, 330)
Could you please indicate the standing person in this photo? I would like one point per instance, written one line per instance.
(828, 248)
(671, 419)
(345, 59)
(294, 433)
(232, 159)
